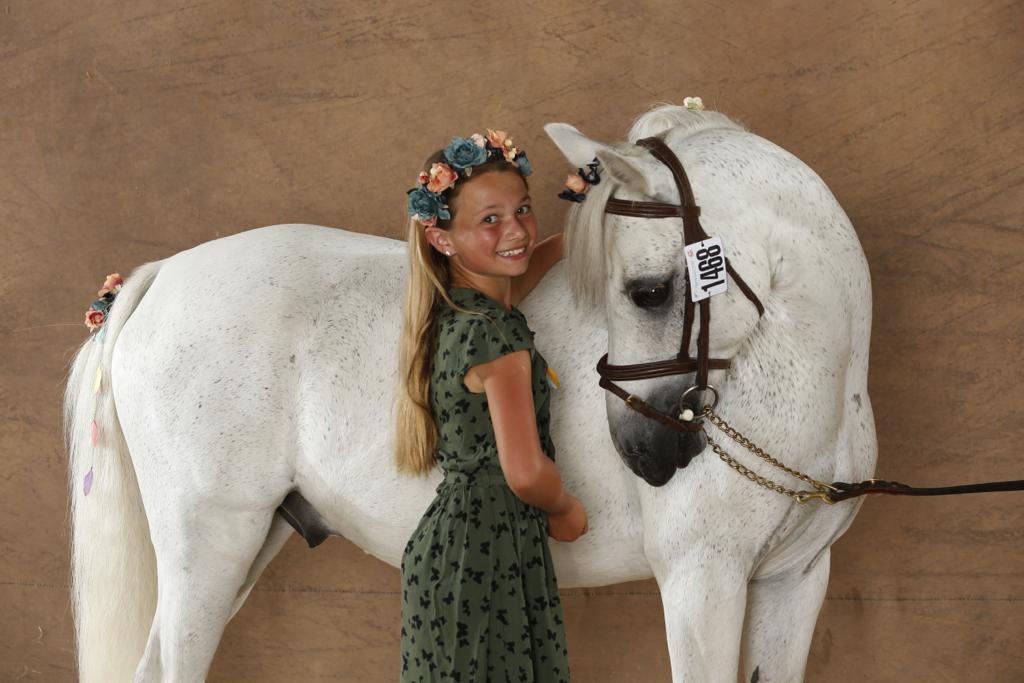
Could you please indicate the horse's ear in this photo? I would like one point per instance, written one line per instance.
(577, 147)
(581, 150)
(625, 171)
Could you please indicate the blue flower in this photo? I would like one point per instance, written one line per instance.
(572, 196)
(463, 152)
(524, 163)
(425, 203)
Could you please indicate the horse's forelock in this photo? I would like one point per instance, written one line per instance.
(587, 246)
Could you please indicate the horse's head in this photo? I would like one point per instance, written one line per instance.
(634, 268)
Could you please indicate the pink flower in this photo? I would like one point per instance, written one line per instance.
(423, 178)
(478, 139)
(94, 318)
(499, 138)
(441, 177)
(503, 141)
(112, 283)
(428, 222)
(575, 182)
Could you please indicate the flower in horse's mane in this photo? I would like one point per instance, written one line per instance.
(112, 283)
(575, 182)
(94, 318)
(96, 314)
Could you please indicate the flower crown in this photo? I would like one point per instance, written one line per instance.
(429, 200)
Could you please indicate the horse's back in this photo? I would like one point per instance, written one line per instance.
(262, 336)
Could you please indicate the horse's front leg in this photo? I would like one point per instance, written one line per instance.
(781, 614)
(704, 597)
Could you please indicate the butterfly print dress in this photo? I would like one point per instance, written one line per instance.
(479, 594)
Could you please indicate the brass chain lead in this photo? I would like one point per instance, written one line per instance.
(799, 496)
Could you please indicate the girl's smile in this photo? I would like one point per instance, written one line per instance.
(514, 254)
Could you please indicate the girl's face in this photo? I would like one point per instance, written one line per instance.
(492, 214)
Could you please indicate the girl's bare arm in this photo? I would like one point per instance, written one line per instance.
(530, 473)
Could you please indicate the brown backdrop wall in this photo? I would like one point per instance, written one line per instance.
(131, 131)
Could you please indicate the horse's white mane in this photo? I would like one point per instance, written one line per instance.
(662, 116)
(584, 228)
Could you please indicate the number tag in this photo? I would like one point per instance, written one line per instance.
(705, 261)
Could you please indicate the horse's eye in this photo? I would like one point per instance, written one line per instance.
(651, 296)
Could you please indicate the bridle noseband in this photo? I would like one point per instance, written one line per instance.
(682, 363)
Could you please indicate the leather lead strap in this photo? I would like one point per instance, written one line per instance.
(847, 491)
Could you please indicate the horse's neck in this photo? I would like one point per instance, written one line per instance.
(787, 388)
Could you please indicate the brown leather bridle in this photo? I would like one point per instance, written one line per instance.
(682, 363)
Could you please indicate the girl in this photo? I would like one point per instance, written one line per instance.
(479, 593)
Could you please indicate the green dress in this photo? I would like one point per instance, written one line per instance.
(479, 594)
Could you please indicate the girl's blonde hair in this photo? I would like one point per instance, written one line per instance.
(427, 285)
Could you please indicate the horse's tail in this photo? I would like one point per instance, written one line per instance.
(113, 566)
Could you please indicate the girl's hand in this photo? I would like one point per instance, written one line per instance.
(569, 525)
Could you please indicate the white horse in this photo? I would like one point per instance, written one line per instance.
(260, 367)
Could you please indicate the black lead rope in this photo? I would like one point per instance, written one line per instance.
(894, 488)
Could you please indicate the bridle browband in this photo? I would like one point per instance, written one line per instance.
(682, 363)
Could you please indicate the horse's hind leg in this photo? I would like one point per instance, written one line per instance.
(204, 553)
(781, 614)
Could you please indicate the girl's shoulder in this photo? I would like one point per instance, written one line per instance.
(474, 303)
(486, 331)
